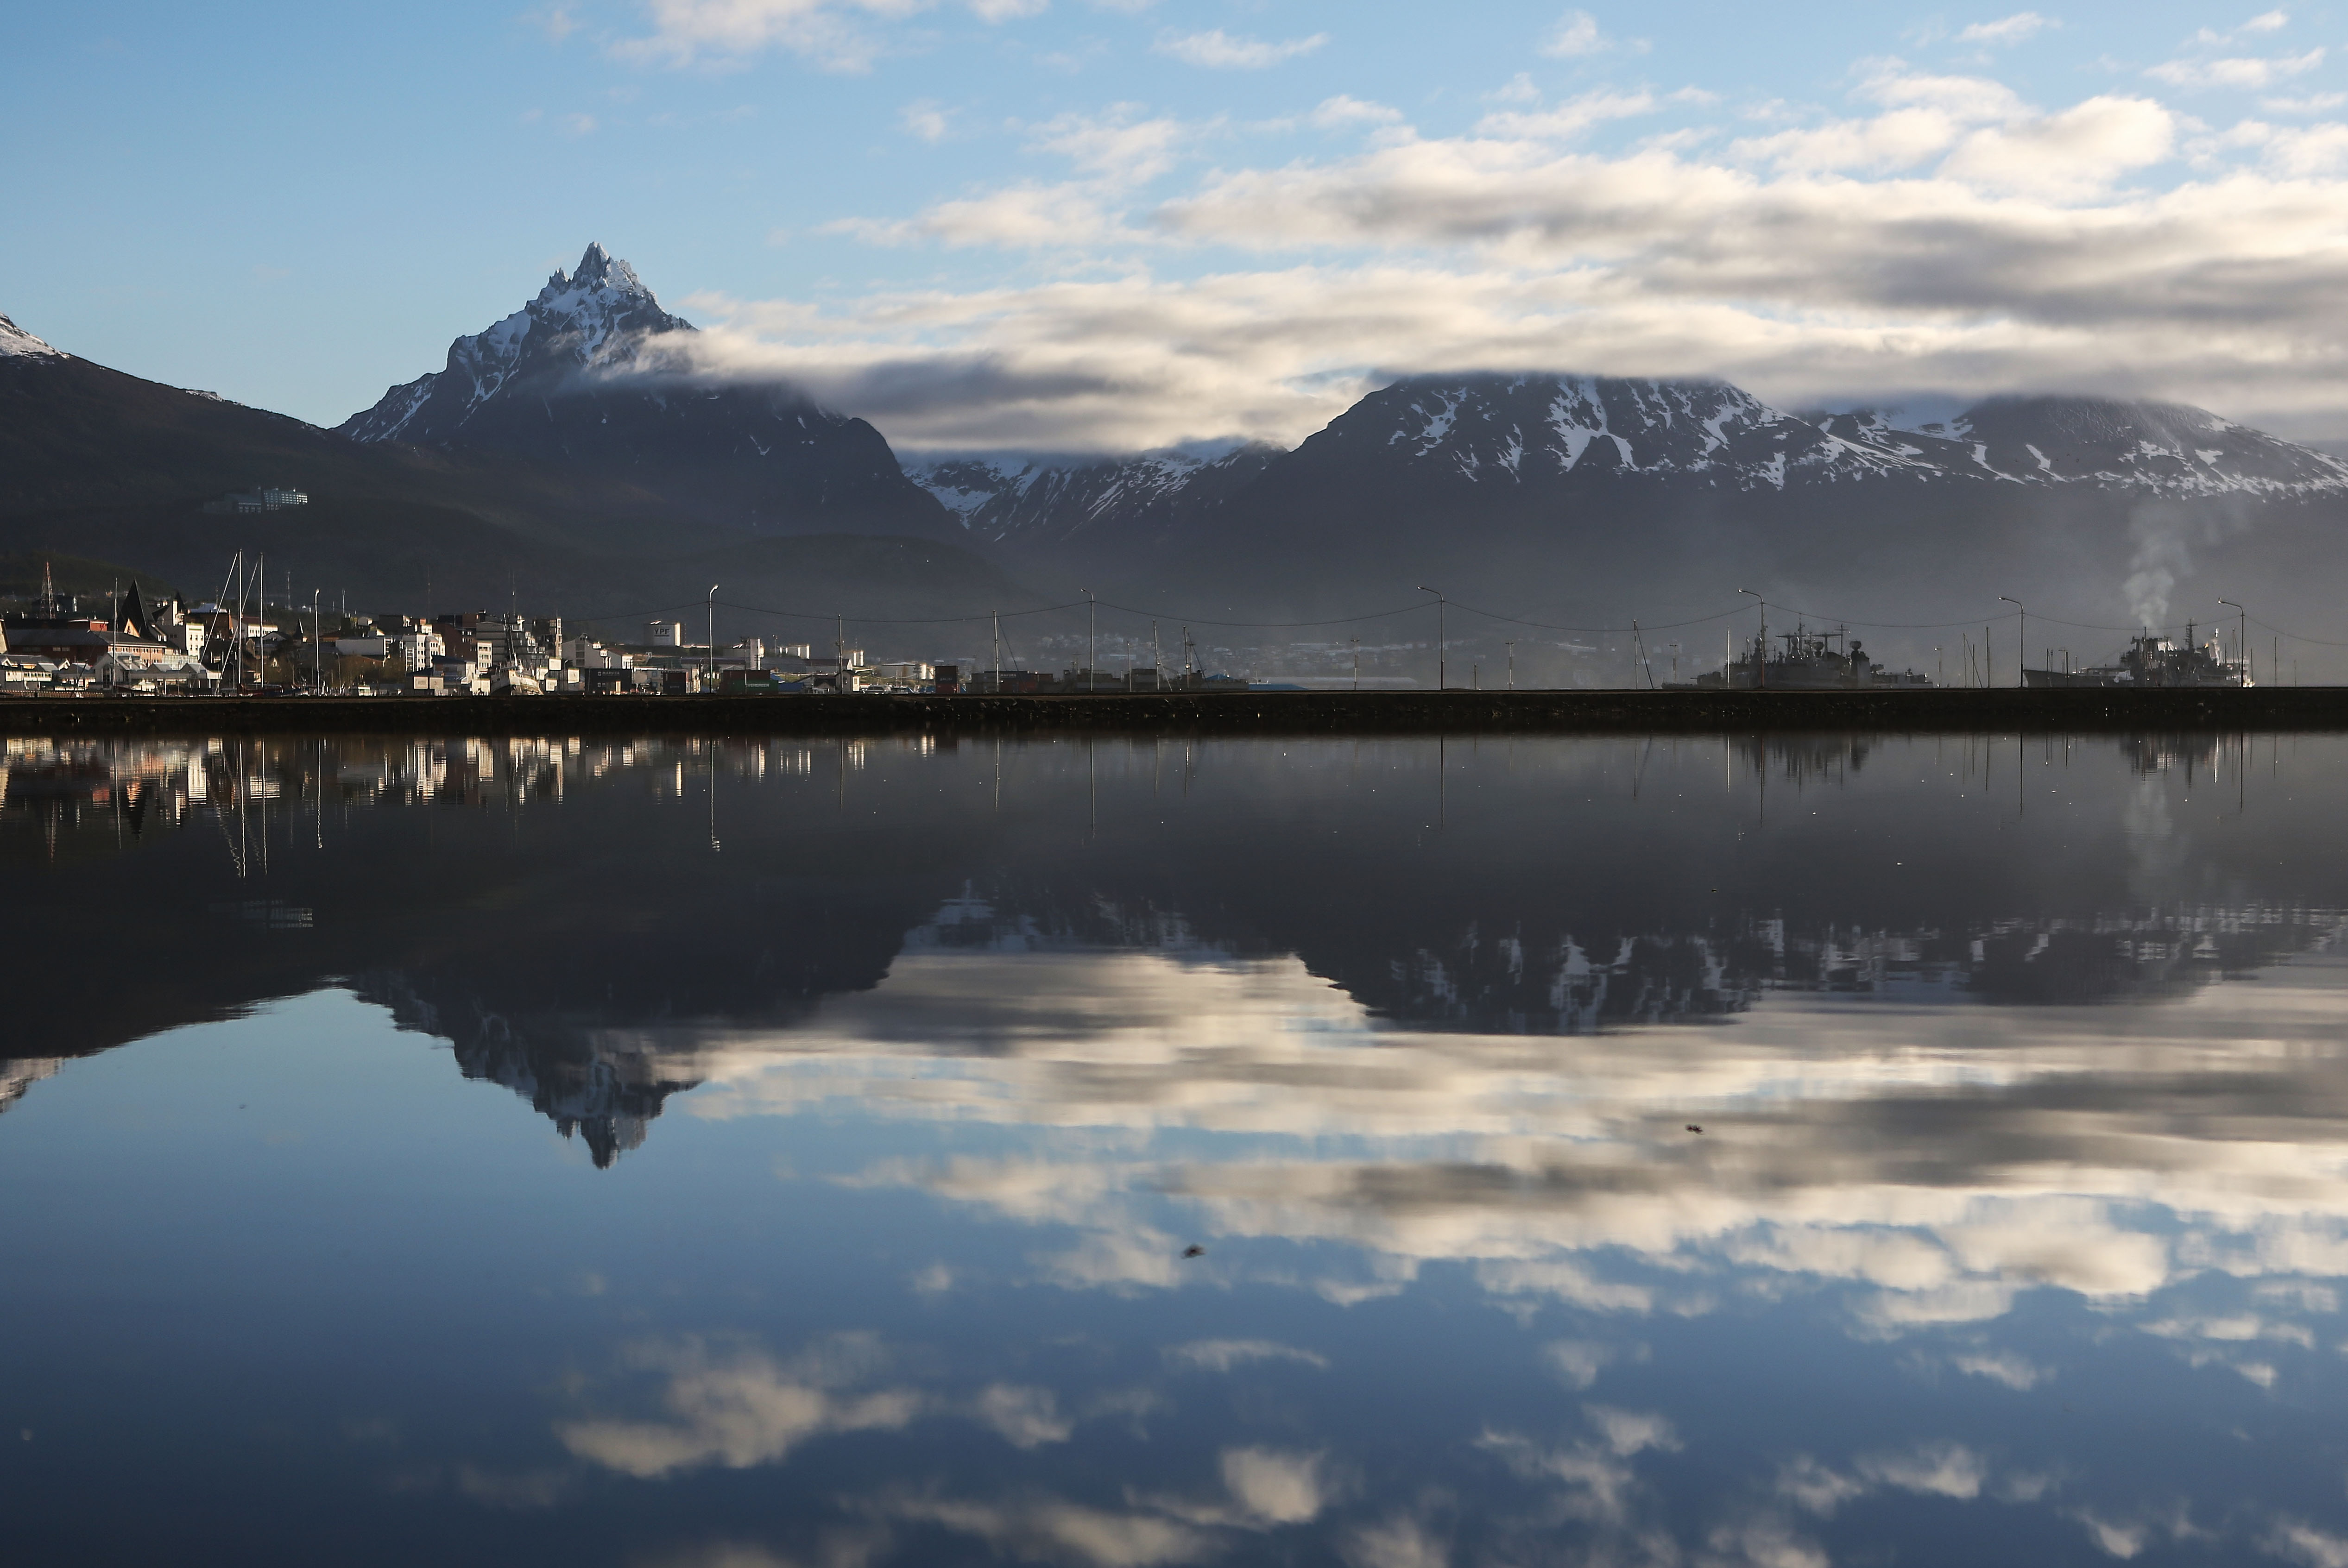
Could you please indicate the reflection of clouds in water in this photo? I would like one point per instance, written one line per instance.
(1223, 1355)
(739, 1407)
(1941, 1159)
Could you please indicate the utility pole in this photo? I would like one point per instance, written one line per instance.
(2020, 631)
(998, 653)
(839, 663)
(1442, 645)
(1156, 661)
(1357, 663)
(1761, 665)
(1511, 647)
(1091, 634)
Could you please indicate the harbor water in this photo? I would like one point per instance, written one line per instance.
(732, 1153)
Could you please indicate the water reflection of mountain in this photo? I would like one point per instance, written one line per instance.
(579, 918)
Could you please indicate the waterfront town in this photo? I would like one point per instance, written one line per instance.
(145, 642)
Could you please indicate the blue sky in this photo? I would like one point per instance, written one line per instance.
(1049, 223)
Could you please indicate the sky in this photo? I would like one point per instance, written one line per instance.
(1119, 224)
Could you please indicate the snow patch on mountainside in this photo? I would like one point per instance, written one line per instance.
(15, 341)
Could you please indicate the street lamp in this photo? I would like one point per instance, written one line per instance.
(1761, 660)
(1092, 638)
(2242, 637)
(1442, 677)
(2021, 636)
(709, 658)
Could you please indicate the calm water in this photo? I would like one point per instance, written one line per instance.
(686, 1155)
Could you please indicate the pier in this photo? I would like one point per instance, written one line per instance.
(2008, 709)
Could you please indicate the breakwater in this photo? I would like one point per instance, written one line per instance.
(1234, 713)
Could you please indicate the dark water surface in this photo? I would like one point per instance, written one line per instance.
(748, 1154)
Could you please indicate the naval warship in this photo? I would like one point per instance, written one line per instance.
(1810, 661)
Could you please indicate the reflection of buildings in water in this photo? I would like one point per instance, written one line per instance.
(1805, 758)
(80, 785)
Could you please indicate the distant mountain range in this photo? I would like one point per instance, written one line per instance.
(567, 453)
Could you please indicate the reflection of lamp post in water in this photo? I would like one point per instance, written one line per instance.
(1760, 644)
(2021, 635)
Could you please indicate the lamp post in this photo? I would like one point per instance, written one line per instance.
(2242, 637)
(1512, 665)
(1442, 675)
(1092, 636)
(1761, 661)
(709, 659)
(2021, 636)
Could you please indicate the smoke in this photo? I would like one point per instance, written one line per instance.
(2160, 557)
(2164, 535)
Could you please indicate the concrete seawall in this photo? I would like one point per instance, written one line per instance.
(1250, 713)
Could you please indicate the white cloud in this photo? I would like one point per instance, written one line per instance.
(2006, 30)
(1025, 1417)
(1567, 120)
(1223, 1354)
(837, 35)
(1054, 1531)
(557, 22)
(1217, 50)
(1578, 1361)
(738, 1410)
(2248, 73)
(1941, 1469)
(1275, 1487)
(2002, 1367)
(1342, 111)
(1577, 34)
(1118, 144)
(1398, 1542)
(2297, 1540)
(926, 121)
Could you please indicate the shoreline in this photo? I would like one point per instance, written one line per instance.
(1293, 713)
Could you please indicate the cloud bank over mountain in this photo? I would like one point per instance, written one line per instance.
(1154, 279)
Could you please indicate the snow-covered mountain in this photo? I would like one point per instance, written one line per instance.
(1471, 446)
(598, 322)
(1047, 501)
(2164, 448)
(14, 341)
(1521, 429)
(585, 375)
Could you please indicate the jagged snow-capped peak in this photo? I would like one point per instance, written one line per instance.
(598, 319)
(16, 342)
